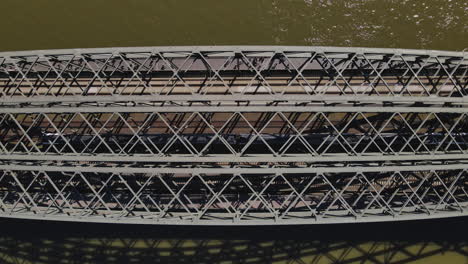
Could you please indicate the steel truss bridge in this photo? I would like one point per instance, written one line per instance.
(233, 135)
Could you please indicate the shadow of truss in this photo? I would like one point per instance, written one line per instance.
(441, 241)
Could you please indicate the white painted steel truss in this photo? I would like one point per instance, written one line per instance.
(233, 135)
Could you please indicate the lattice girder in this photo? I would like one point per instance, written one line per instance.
(233, 135)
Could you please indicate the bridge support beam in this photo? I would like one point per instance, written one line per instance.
(233, 135)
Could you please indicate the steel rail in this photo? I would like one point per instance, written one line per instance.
(223, 98)
(230, 158)
(232, 50)
(224, 109)
(228, 222)
(231, 170)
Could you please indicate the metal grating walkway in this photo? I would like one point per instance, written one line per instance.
(233, 135)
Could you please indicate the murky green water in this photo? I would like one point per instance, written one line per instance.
(45, 24)
(48, 24)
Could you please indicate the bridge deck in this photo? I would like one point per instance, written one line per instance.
(233, 135)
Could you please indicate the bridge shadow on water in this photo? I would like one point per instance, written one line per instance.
(434, 241)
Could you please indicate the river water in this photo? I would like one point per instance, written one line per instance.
(45, 24)
(49, 24)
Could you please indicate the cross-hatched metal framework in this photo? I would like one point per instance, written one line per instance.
(233, 135)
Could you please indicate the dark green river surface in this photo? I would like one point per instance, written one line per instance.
(46, 24)
(51, 24)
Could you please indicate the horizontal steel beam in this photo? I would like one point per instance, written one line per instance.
(222, 98)
(228, 50)
(230, 158)
(228, 170)
(190, 109)
(230, 222)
